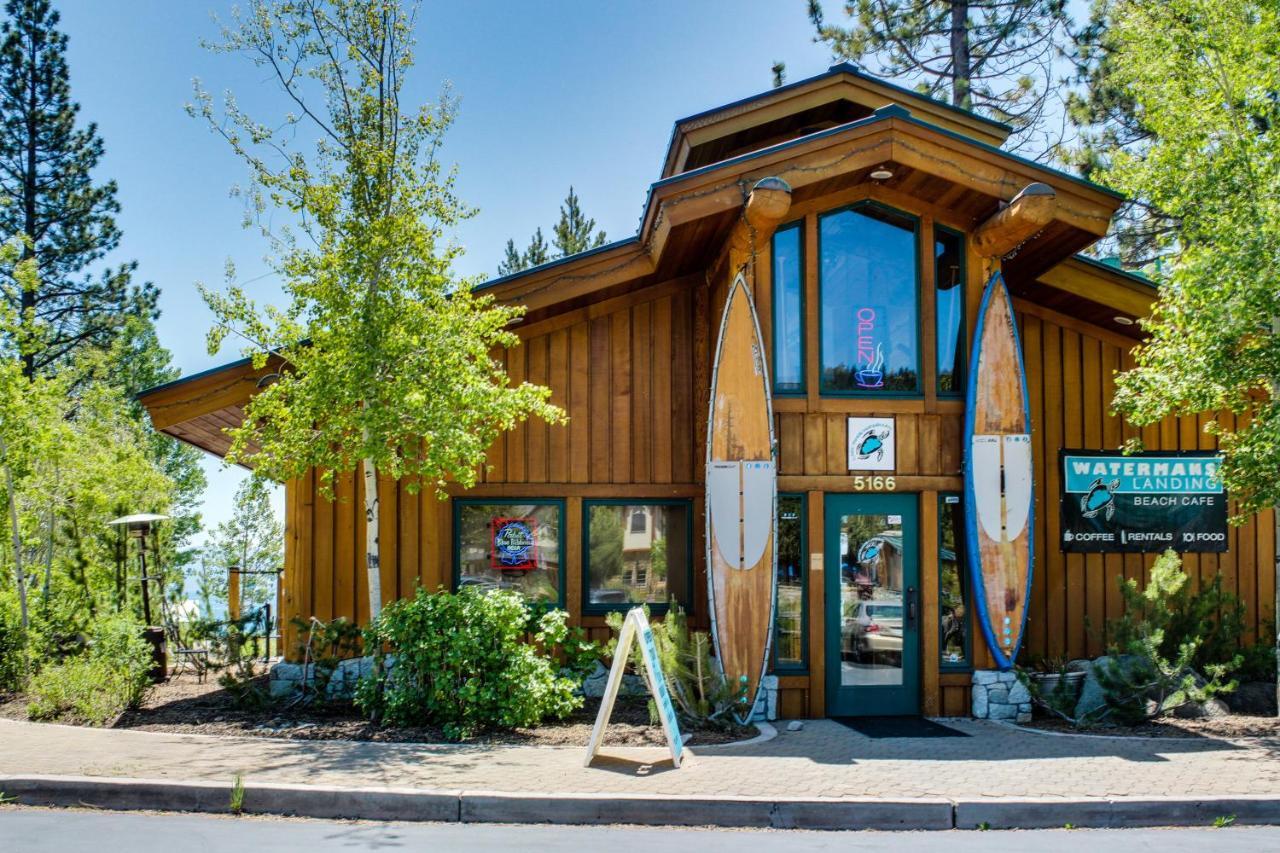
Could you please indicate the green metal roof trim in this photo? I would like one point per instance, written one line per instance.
(835, 71)
(1135, 277)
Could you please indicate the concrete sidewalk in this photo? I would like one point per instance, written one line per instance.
(821, 777)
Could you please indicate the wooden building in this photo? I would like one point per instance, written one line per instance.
(901, 208)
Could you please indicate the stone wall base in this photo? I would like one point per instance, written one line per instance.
(1000, 696)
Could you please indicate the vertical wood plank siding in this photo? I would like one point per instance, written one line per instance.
(632, 372)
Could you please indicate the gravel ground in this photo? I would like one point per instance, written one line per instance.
(184, 706)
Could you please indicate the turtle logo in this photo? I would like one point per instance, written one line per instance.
(870, 442)
(1100, 498)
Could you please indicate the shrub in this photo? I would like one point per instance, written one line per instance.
(462, 662)
(235, 653)
(13, 647)
(97, 686)
(702, 698)
(323, 647)
(1171, 647)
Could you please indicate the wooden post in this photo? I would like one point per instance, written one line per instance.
(233, 593)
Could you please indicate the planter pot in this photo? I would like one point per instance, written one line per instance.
(1048, 684)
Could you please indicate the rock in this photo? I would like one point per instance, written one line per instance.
(1254, 697)
(985, 677)
(1212, 708)
(1023, 717)
(795, 726)
(1019, 695)
(1092, 698)
(981, 706)
(998, 695)
(1003, 712)
(593, 685)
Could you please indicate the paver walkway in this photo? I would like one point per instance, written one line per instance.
(824, 760)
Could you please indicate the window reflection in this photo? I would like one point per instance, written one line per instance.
(637, 554)
(870, 333)
(789, 617)
(510, 546)
(788, 311)
(948, 260)
(953, 584)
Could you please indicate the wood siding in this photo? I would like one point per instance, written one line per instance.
(633, 372)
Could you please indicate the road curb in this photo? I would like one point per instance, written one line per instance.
(1114, 813)
(416, 804)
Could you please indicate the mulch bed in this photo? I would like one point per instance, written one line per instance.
(1222, 728)
(184, 706)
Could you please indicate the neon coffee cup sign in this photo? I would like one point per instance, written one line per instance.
(870, 358)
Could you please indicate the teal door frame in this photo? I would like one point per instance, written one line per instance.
(903, 700)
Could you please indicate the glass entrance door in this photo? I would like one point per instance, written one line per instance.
(872, 605)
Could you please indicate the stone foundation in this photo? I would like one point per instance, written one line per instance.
(1000, 696)
(285, 679)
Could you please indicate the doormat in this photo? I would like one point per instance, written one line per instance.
(887, 727)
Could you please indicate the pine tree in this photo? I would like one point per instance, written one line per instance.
(992, 56)
(571, 235)
(513, 262)
(1109, 121)
(573, 231)
(538, 252)
(46, 165)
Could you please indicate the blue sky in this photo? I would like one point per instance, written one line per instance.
(552, 94)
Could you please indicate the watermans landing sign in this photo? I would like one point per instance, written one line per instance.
(1150, 501)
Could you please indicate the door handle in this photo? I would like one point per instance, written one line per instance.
(911, 606)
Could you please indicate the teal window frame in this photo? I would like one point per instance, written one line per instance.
(802, 390)
(801, 668)
(823, 390)
(590, 608)
(962, 566)
(558, 503)
(961, 342)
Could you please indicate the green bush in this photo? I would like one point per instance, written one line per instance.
(13, 647)
(97, 686)
(1172, 647)
(463, 662)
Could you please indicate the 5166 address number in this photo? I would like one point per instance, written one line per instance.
(874, 484)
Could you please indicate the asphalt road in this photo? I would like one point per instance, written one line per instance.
(64, 831)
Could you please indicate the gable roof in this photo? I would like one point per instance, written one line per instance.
(841, 94)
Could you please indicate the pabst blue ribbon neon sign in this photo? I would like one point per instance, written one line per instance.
(870, 358)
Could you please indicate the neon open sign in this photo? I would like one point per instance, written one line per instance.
(870, 373)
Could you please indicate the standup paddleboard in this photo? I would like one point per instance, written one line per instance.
(741, 490)
(999, 503)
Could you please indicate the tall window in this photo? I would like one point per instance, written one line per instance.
(788, 310)
(510, 546)
(789, 620)
(870, 328)
(948, 271)
(953, 585)
(636, 554)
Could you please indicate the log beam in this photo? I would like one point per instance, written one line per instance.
(1004, 231)
(766, 207)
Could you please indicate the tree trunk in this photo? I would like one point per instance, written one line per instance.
(960, 71)
(48, 545)
(371, 537)
(19, 573)
(29, 199)
(1275, 518)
